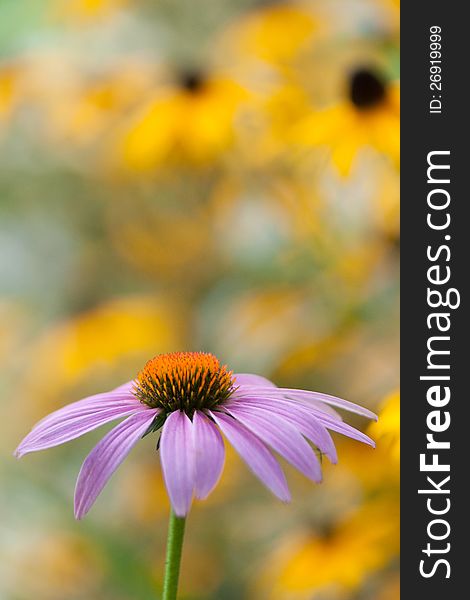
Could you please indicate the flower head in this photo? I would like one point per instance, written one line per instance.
(189, 120)
(368, 115)
(186, 381)
(192, 399)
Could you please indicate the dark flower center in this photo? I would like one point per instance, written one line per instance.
(185, 381)
(192, 81)
(366, 89)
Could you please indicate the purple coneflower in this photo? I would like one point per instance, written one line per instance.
(192, 399)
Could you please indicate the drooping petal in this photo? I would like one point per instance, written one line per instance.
(299, 416)
(255, 454)
(105, 458)
(326, 420)
(71, 425)
(97, 402)
(249, 379)
(341, 427)
(321, 407)
(348, 431)
(283, 437)
(251, 391)
(209, 455)
(177, 458)
(333, 401)
(306, 395)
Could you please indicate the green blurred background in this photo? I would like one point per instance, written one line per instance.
(181, 175)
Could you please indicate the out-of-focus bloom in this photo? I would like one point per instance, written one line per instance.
(387, 204)
(368, 116)
(340, 558)
(190, 396)
(102, 341)
(191, 122)
(382, 474)
(387, 430)
(274, 33)
(80, 11)
(8, 76)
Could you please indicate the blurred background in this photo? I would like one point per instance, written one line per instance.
(214, 175)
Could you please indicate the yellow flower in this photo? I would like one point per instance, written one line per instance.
(339, 559)
(386, 431)
(112, 337)
(275, 33)
(8, 80)
(189, 122)
(267, 47)
(387, 205)
(378, 471)
(79, 11)
(368, 116)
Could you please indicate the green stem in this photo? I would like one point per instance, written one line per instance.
(173, 556)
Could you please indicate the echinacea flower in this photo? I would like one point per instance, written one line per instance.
(192, 399)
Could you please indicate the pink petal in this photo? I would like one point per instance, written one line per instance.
(299, 416)
(209, 455)
(177, 458)
(305, 395)
(255, 454)
(96, 402)
(106, 457)
(53, 433)
(349, 431)
(76, 419)
(326, 420)
(249, 379)
(282, 437)
(331, 400)
(252, 391)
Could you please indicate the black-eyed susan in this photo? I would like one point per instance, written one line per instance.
(274, 33)
(190, 121)
(382, 474)
(335, 558)
(367, 117)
